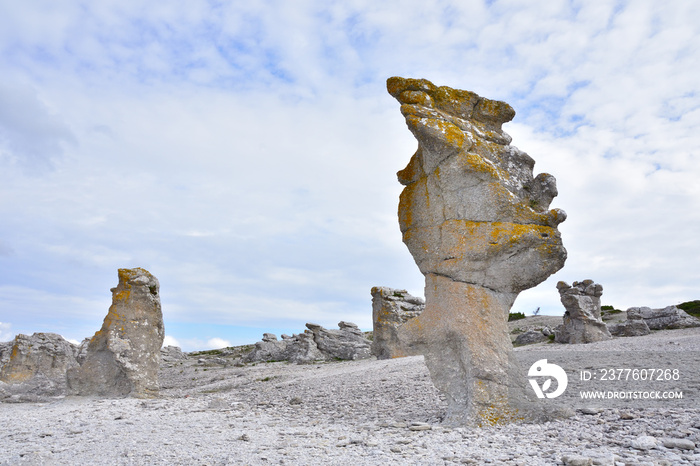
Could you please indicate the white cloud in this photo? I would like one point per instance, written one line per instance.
(170, 341)
(6, 331)
(69, 312)
(197, 344)
(30, 135)
(216, 343)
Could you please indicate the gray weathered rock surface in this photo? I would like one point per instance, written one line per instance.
(530, 337)
(347, 343)
(5, 352)
(271, 349)
(477, 223)
(391, 308)
(582, 322)
(302, 349)
(36, 367)
(124, 355)
(669, 317)
(81, 350)
(172, 354)
(641, 320)
(634, 326)
(314, 344)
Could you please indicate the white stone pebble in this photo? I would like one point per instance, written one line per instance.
(644, 442)
(683, 444)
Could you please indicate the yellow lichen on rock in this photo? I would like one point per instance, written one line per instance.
(477, 223)
(123, 356)
(37, 366)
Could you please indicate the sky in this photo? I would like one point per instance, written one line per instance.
(245, 152)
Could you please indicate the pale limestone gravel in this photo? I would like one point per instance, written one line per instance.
(358, 412)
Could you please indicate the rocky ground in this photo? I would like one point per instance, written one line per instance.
(538, 322)
(213, 412)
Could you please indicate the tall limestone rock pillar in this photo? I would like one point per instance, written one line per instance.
(124, 355)
(478, 226)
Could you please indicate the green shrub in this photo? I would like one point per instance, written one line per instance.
(691, 307)
(608, 310)
(515, 316)
(213, 352)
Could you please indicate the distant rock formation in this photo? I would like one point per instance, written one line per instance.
(348, 343)
(315, 344)
(532, 336)
(669, 317)
(81, 351)
(391, 309)
(123, 357)
(634, 326)
(478, 225)
(171, 354)
(582, 321)
(302, 349)
(33, 368)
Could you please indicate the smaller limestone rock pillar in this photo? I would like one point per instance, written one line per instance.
(124, 355)
(390, 310)
(582, 322)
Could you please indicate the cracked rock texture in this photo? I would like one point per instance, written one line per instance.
(669, 317)
(123, 357)
(633, 326)
(391, 309)
(170, 354)
(532, 336)
(314, 344)
(33, 368)
(478, 225)
(582, 321)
